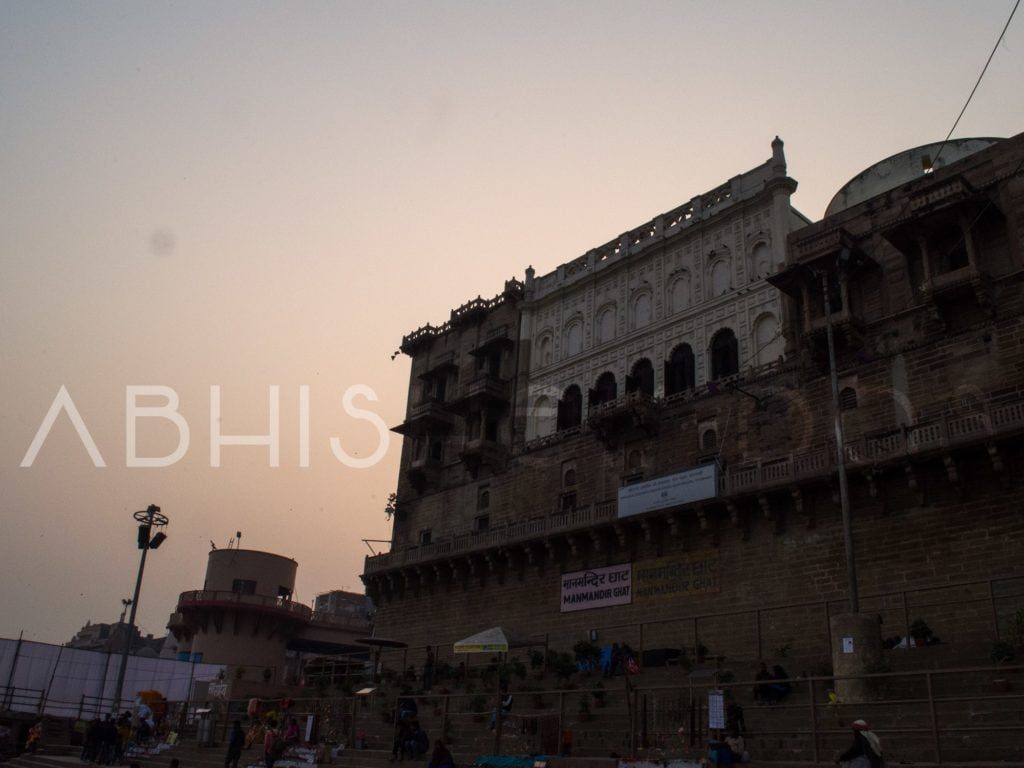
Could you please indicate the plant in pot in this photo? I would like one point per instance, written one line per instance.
(702, 653)
(1002, 653)
(1015, 629)
(585, 715)
(478, 706)
(536, 659)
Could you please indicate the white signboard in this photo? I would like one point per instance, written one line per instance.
(597, 588)
(669, 491)
(716, 709)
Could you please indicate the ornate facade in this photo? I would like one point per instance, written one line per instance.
(656, 358)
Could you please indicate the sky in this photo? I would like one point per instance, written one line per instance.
(247, 195)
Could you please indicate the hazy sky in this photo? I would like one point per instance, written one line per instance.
(256, 194)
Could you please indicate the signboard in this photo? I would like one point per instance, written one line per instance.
(691, 573)
(669, 491)
(716, 709)
(597, 588)
(217, 690)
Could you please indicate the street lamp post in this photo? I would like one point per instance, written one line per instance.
(147, 518)
(844, 492)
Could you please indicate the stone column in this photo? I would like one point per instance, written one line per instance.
(856, 649)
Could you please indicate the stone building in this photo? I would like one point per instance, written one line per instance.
(245, 618)
(665, 472)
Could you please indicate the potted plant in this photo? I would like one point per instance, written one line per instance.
(702, 653)
(1015, 629)
(478, 706)
(585, 715)
(1002, 653)
(536, 659)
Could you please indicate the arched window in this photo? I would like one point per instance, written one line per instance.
(570, 408)
(847, 399)
(720, 278)
(725, 356)
(768, 345)
(570, 478)
(606, 325)
(544, 350)
(642, 378)
(605, 389)
(543, 416)
(642, 310)
(680, 299)
(709, 440)
(636, 461)
(574, 338)
(761, 260)
(679, 370)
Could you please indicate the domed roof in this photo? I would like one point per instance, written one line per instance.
(902, 167)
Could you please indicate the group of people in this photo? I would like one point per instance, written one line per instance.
(276, 741)
(620, 659)
(106, 740)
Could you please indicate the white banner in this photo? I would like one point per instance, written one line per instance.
(597, 588)
(669, 491)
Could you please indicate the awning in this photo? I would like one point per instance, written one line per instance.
(493, 640)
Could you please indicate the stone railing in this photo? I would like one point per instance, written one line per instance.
(937, 434)
(475, 541)
(513, 289)
(224, 598)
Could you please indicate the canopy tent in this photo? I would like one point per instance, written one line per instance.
(493, 640)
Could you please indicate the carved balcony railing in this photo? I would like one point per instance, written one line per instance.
(995, 420)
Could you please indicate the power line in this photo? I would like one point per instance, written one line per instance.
(975, 88)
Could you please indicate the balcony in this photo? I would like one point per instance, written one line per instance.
(896, 447)
(481, 451)
(424, 472)
(624, 416)
(430, 415)
(482, 392)
(847, 327)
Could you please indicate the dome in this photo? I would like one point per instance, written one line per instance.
(900, 168)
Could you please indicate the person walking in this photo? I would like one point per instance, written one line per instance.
(441, 757)
(273, 744)
(866, 750)
(235, 742)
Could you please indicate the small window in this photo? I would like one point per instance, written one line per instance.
(482, 523)
(709, 440)
(437, 450)
(635, 462)
(424, 537)
(483, 498)
(847, 399)
(567, 503)
(283, 592)
(491, 430)
(569, 478)
(243, 587)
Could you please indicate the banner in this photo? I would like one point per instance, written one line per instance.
(691, 573)
(597, 588)
(669, 491)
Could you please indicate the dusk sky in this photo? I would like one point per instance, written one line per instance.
(250, 194)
